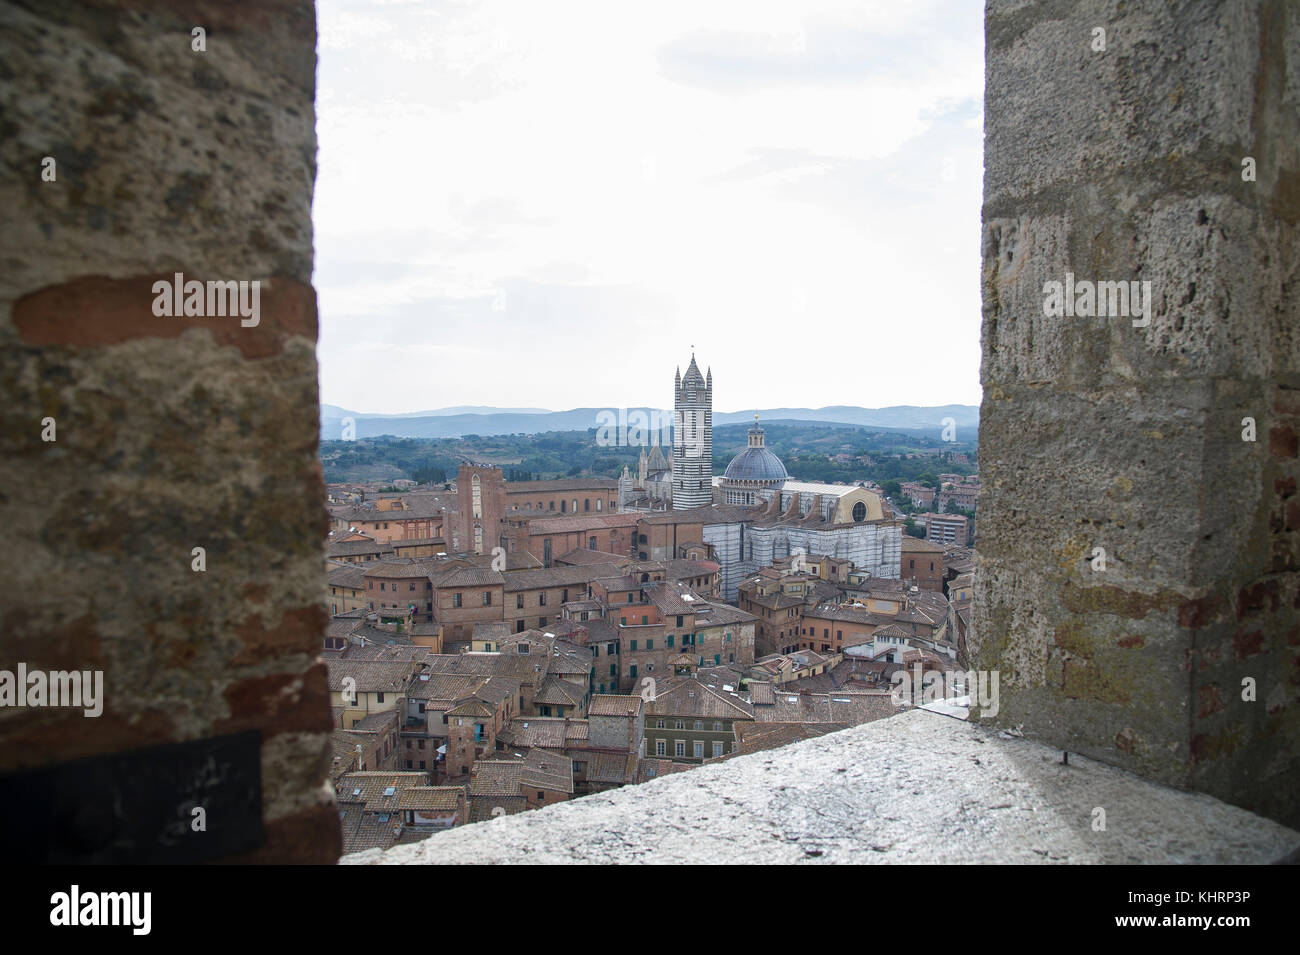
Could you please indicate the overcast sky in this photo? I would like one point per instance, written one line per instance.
(545, 204)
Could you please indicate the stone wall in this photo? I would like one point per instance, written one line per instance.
(171, 433)
(1126, 163)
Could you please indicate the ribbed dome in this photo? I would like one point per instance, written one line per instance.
(756, 464)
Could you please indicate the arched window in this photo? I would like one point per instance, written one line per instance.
(859, 511)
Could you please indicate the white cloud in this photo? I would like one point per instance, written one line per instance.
(801, 201)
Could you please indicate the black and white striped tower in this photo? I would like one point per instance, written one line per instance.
(692, 437)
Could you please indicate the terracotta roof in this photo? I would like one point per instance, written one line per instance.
(497, 777)
(848, 708)
(569, 659)
(445, 687)
(348, 575)
(376, 722)
(341, 625)
(416, 542)
(473, 708)
(468, 577)
(387, 652)
(677, 569)
(370, 676)
(670, 600)
(376, 791)
(547, 770)
(691, 698)
(554, 691)
(548, 577)
(848, 614)
(396, 567)
(719, 614)
(354, 548)
(431, 798)
(893, 630)
(919, 544)
(577, 522)
(548, 732)
(755, 737)
(616, 768)
(609, 704)
(483, 808)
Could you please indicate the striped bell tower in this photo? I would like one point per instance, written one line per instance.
(692, 437)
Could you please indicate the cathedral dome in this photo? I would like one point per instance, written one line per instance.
(756, 464)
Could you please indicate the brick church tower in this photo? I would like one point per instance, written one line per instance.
(480, 506)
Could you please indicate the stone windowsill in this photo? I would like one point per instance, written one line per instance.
(918, 787)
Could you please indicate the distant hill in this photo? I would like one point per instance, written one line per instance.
(336, 411)
(459, 421)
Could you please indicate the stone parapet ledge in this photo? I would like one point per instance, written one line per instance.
(919, 787)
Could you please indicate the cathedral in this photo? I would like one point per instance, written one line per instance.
(755, 513)
(753, 473)
(688, 480)
(652, 488)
